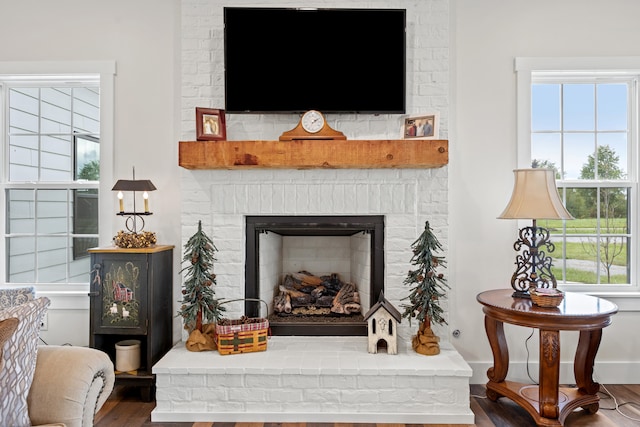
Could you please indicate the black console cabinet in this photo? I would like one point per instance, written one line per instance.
(131, 299)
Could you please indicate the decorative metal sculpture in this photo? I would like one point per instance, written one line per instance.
(533, 266)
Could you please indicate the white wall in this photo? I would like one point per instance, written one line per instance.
(140, 36)
(488, 35)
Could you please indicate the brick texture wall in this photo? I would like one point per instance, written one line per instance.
(406, 197)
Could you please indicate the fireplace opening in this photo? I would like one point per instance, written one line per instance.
(319, 255)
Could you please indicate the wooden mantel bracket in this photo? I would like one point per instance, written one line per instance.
(314, 154)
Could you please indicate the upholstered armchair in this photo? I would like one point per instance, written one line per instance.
(46, 384)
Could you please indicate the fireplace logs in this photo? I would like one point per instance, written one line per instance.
(303, 293)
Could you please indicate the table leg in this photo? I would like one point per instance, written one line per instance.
(495, 333)
(588, 345)
(549, 373)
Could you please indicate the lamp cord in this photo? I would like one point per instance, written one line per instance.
(616, 405)
(527, 348)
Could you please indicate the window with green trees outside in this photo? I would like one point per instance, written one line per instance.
(583, 127)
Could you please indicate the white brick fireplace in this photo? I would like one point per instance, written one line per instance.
(284, 383)
(322, 379)
(405, 197)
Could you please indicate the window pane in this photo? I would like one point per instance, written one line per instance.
(580, 202)
(87, 151)
(52, 259)
(23, 158)
(545, 107)
(578, 107)
(23, 110)
(55, 110)
(612, 107)
(578, 147)
(610, 164)
(612, 255)
(579, 266)
(546, 151)
(86, 118)
(614, 208)
(56, 159)
(79, 268)
(80, 247)
(84, 221)
(21, 265)
(52, 211)
(21, 211)
(85, 208)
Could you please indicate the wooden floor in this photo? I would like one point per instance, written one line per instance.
(124, 408)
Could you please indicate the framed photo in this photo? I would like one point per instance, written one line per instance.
(424, 126)
(210, 124)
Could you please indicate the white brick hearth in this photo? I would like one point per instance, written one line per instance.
(313, 379)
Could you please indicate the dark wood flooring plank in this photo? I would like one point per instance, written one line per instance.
(109, 405)
(130, 414)
(622, 394)
(480, 416)
(632, 398)
(504, 412)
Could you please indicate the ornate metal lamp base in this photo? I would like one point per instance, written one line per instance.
(135, 237)
(533, 266)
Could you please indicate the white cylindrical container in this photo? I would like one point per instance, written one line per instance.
(127, 355)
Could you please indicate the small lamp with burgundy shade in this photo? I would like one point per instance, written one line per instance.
(534, 197)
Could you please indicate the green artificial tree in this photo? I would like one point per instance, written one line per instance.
(428, 286)
(199, 305)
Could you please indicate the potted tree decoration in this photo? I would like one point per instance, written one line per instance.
(200, 309)
(428, 287)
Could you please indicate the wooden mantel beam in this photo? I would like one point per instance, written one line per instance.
(314, 154)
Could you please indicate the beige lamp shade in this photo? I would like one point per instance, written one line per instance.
(535, 196)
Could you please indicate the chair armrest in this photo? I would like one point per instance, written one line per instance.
(70, 385)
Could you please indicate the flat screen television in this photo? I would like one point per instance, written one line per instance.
(283, 60)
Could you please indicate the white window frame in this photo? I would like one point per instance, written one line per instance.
(620, 66)
(106, 71)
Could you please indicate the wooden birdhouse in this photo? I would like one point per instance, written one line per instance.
(382, 324)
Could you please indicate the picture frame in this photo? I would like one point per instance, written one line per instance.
(423, 126)
(210, 124)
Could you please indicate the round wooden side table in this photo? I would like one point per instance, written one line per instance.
(547, 403)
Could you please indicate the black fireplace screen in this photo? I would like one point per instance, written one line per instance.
(313, 226)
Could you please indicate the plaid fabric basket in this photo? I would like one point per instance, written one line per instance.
(239, 336)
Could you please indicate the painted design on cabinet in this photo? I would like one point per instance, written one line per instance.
(119, 304)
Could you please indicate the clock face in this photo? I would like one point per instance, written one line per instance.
(312, 121)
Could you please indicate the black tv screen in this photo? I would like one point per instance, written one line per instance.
(280, 60)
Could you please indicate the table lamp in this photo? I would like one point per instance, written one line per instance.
(135, 237)
(535, 196)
